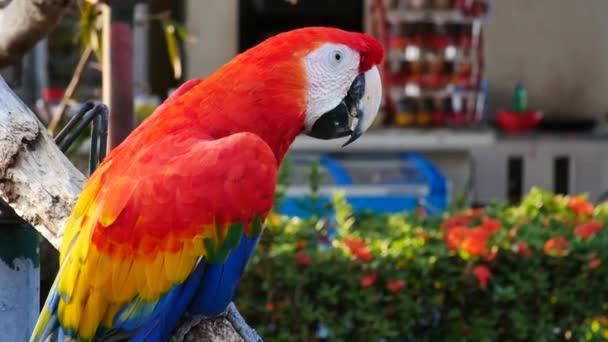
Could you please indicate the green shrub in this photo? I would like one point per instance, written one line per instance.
(532, 272)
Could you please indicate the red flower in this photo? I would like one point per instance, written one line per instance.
(588, 229)
(359, 249)
(482, 273)
(522, 249)
(395, 285)
(476, 241)
(454, 237)
(269, 306)
(368, 279)
(491, 225)
(580, 206)
(302, 259)
(594, 262)
(557, 246)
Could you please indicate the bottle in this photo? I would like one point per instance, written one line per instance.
(481, 101)
(424, 115)
(520, 98)
(405, 112)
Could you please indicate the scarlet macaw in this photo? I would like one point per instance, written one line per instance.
(169, 220)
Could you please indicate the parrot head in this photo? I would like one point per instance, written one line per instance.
(344, 87)
(325, 77)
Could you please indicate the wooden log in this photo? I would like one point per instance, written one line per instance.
(36, 179)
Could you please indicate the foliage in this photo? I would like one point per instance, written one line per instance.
(534, 271)
(90, 33)
(174, 32)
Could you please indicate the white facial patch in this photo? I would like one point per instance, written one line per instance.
(331, 69)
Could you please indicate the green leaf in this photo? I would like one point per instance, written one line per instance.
(181, 31)
(171, 34)
(89, 32)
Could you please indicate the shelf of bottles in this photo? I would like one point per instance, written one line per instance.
(434, 66)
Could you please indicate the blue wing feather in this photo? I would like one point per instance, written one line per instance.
(220, 281)
(208, 291)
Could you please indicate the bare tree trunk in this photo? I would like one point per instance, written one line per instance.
(36, 179)
(41, 184)
(24, 23)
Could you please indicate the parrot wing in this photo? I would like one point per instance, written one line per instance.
(93, 185)
(145, 221)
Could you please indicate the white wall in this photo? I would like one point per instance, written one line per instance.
(559, 48)
(214, 24)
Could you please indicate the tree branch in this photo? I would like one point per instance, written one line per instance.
(36, 179)
(24, 23)
(41, 184)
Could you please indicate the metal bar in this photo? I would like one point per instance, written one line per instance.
(97, 114)
(140, 47)
(94, 140)
(103, 132)
(68, 127)
(86, 120)
(99, 137)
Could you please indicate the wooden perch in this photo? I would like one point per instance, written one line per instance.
(41, 184)
(36, 178)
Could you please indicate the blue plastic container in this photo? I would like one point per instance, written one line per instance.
(382, 183)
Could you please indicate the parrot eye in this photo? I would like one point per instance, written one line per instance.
(337, 57)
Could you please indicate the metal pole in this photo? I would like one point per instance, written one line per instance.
(19, 276)
(140, 53)
(117, 67)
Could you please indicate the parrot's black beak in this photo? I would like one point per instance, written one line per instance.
(355, 113)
